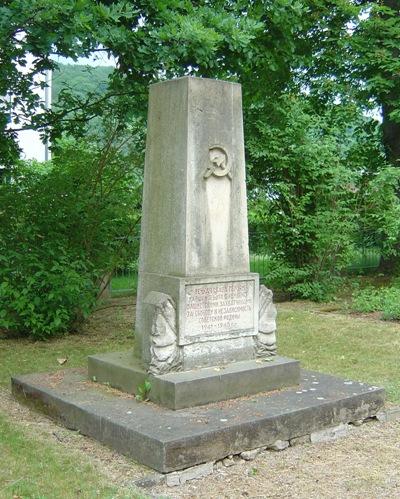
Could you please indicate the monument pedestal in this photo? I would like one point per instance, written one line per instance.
(185, 389)
(215, 320)
(168, 440)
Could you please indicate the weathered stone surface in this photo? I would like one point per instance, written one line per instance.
(329, 434)
(249, 455)
(180, 477)
(265, 341)
(217, 316)
(201, 386)
(165, 355)
(183, 233)
(169, 440)
(228, 461)
(389, 414)
(150, 480)
(194, 222)
(304, 439)
(118, 369)
(279, 445)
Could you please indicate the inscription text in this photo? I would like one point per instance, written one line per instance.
(219, 307)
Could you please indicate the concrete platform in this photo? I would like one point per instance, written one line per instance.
(169, 440)
(197, 387)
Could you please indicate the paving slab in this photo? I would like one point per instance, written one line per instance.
(170, 440)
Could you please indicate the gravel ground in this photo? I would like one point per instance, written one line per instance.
(365, 464)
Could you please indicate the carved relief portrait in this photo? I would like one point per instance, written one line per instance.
(265, 341)
(164, 351)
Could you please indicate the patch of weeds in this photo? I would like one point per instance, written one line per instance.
(385, 300)
(143, 391)
(253, 471)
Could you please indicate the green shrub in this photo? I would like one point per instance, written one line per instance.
(317, 191)
(301, 197)
(385, 300)
(44, 296)
(63, 226)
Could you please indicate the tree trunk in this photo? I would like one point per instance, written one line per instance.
(391, 134)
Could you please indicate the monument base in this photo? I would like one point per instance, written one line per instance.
(169, 440)
(197, 387)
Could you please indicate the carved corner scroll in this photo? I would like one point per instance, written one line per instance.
(219, 164)
(165, 354)
(265, 341)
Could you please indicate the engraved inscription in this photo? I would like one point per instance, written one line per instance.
(219, 164)
(218, 308)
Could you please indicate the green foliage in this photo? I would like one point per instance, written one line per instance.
(166, 40)
(380, 210)
(62, 228)
(143, 391)
(385, 300)
(305, 209)
(319, 188)
(80, 79)
(320, 185)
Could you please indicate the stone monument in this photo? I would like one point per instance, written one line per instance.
(198, 304)
(205, 329)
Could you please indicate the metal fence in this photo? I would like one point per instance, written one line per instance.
(365, 260)
(124, 281)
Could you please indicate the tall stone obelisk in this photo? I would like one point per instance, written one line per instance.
(194, 256)
(202, 322)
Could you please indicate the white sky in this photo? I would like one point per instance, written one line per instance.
(96, 59)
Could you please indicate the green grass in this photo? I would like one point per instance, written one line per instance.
(23, 356)
(356, 348)
(30, 468)
(123, 285)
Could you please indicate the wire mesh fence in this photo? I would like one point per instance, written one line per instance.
(124, 280)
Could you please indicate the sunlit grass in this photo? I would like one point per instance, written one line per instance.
(124, 284)
(30, 468)
(356, 348)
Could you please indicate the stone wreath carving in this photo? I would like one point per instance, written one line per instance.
(265, 340)
(165, 353)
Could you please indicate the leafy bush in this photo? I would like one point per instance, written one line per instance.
(301, 197)
(385, 300)
(63, 226)
(317, 191)
(43, 296)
